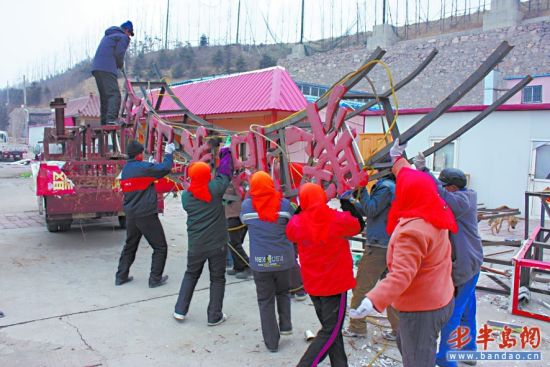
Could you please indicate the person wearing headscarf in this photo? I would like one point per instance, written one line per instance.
(419, 283)
(206, 235)
(467, 259)
(327, 269)
(266, 213)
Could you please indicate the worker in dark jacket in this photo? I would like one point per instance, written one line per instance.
(266, 213)
(237, 232)
(372, 265)
(206, 235)
(467, 258)
(140, 207)
(108, 58)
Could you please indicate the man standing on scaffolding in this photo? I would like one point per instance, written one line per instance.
(108, 58)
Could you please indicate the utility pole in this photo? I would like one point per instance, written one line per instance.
(383, 11)
(302, 29)
(166, 28)
(238, 21)
(24, 91)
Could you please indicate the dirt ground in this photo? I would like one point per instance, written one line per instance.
(62, 308)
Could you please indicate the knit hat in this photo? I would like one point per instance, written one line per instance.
(134, 148)
(128, 26)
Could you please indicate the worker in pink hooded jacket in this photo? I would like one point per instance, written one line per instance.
(419, 283)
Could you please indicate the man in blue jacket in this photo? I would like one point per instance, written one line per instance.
(108, 58)
(467, 256)
(372, 265)
(141, 209)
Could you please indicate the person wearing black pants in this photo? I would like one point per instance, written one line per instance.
(108, 59)
(237, 233)
(150, 227)
(272, 255)
(272, 288)
(329, 340)
(241, 270)
(216, 267)
(141, 209)
(109, 96)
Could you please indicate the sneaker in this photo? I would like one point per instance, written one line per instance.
(273, 350)
(222, 319)
(231, 272)
(245, 274)
(162, 281)
(389, 335)
(352, 334)
(286, 332)
(301, 295)
(123, 281)
(178, 316)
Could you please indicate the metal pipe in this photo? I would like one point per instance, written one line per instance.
(59, 105)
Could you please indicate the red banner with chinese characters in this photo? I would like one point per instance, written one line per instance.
(51, 180)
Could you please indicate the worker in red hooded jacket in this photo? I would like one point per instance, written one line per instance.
(327, 269)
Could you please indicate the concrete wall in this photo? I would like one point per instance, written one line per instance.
(459, 55)
(496, 153)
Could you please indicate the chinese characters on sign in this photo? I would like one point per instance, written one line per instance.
(528, 337)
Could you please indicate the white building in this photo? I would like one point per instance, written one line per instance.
(505, 155)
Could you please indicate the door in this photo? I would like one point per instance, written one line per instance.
(539, 173)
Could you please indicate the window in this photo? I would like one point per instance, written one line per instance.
(306, 90)
(532, 94)
(315, 91)
(542, 162)
(444, 157)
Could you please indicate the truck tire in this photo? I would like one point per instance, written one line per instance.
(122, 221)
(52, 227)
(65, 226)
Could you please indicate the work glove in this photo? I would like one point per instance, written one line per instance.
(420, 161)
(364, 309)
(226, 162)
(397, 150)
(169, 149)
(347, 206)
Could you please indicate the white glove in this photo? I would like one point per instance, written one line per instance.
(169, 149)
(152, 159)
(420, 161)
(364, 309)
(397, 150)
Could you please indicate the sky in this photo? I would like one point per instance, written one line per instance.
(42, 37)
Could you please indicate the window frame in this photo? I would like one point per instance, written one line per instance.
(530, 91)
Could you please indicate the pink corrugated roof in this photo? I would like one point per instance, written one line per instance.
(269, 89)
(83, 107)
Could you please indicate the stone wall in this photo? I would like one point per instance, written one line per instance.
(459, 55)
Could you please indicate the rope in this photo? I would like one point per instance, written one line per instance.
(378, 354)
(239, 255)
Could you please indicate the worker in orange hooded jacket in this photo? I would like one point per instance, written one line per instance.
(419, 283)
(327, 269)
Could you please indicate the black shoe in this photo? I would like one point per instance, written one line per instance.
(272, 350)
(122, 281)
(162, 281)
(231, 271)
